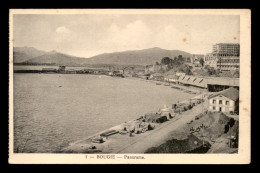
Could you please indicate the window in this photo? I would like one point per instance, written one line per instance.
(220, 102)
(227, 102)
(214, 108)
(214, 101)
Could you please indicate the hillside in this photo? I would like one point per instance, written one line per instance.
(22, 54)
(54, 57)
(141, 57)
(134, 57)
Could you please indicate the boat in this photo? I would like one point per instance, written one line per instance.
(108, 133)
(98, 139)
(158, 84)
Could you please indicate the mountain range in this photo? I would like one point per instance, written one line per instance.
(149, 56)
(22, 54)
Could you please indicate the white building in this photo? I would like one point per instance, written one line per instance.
(225, 101)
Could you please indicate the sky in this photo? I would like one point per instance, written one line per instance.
(87, 35)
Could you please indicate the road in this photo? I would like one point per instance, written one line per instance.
(139, 143)
(161, 134)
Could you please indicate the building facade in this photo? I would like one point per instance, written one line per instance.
(224, 101)
(210, 60)
(227, 55)
(224, 56)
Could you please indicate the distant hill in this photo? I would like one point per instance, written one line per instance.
(54, 57)
(133, 57)
(22, 54)
(141, 57)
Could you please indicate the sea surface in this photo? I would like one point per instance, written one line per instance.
(40, 67)
(53, 110)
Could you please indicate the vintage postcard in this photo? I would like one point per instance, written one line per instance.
(128, 86)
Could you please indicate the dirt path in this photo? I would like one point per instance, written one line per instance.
(161, 134)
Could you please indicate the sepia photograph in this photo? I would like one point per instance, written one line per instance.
(129, 86)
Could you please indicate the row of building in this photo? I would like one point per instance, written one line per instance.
(224, 56)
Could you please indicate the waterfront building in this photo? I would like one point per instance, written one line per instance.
(180, 74)
(71, 71)
(225, 101)
(224, 56)
(212, 84)
(171, 78)
(61, 68)
(188, 80)
(47, 70)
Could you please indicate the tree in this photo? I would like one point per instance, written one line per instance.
(180, 58)
(212, 71)
(202, 62)
(186, 69)
(235, 74)
(165, 61)
(157, 63)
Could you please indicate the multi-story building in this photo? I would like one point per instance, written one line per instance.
(227, 55)
(225, 101)
(224, 56)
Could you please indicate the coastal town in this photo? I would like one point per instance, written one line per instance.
(126, 84)
(205, 123)
(130, 86)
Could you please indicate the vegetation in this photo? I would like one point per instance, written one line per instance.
(175, 65)
(166, 61)
(210, 71)
(202, 62)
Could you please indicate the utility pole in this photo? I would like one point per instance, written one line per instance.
(230, 137)
(202, 104)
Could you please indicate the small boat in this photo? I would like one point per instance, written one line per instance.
(108, 133)
(98, 139)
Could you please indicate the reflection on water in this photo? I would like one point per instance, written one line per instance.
(53, 110)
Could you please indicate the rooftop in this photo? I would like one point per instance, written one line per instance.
(231, 93)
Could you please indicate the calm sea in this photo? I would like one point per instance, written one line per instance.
(53, 110)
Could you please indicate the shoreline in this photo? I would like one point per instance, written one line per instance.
(87, 141)
(119, 126)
